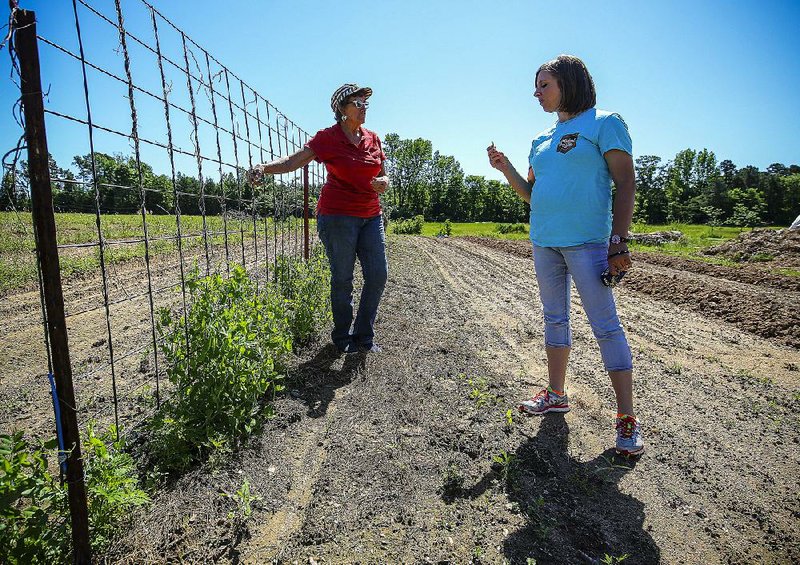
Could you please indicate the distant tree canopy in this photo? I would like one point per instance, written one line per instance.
(425, 182)
(693, 187)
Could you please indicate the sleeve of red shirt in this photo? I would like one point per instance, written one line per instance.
(320, 145)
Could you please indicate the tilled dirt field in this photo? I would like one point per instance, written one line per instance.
(410, 455)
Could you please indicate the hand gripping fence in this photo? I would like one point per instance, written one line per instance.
(190, 130)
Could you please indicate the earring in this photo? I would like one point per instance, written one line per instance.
(344, 118)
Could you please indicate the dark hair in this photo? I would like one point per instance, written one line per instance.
(575, 82)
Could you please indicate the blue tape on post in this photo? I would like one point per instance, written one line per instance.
(62, 454)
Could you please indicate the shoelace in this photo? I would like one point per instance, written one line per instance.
(544, 393)
(626, 426)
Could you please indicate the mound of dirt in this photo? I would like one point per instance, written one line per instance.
(782, 246)
(656, 238)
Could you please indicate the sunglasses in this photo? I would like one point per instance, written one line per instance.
(360, 104)
(611, 280)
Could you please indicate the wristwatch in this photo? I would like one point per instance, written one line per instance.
(617, 239)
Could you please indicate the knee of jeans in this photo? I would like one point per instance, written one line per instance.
(604, 333)
(618, 360)
(344, 281)
(556, 320)
(557, 333)
(376, 277)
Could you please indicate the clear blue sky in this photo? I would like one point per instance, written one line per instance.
(700, 74)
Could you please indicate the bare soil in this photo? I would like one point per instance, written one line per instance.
(393, 457)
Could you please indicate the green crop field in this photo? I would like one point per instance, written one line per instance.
(18, 269)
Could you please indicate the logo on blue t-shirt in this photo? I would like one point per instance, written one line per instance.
(567, 142)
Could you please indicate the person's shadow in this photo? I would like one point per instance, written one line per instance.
(574, 511)
(316, 381)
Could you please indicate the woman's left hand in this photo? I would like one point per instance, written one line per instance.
(380, 184)
(619, 258)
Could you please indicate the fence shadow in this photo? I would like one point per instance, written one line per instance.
(319, 380)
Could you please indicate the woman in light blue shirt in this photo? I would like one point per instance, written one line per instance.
(574, 233)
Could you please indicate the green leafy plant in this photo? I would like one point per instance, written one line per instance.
(111, 484)
(243, 500)
(511, 228)
(412, 226)
(306, 289)
(223, 359)
(505, 464)
(611, 560)
(480, 392)
(34, 515)
(229, 354)
(446, 230)
(540, 523)
(452, 480)
(33, 505)
(509, 417)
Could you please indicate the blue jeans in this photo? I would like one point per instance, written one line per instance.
(555, 267)
(345, 238)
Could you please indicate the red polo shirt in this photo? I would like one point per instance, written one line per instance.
(351, 168)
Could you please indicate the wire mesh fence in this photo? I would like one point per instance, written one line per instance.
(150, 141)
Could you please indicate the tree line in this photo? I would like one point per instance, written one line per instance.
(693, 187)
(425, 182)
(118, 190)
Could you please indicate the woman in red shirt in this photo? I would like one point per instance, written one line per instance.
(348, 213)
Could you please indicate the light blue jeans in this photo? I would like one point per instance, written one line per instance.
(555, 267)
(345, 238)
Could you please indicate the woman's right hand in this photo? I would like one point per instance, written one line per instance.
(497, 159)
(256, 174)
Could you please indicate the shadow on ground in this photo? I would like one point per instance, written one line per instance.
(319, 379)
(574, 511)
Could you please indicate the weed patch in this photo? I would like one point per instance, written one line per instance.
(411, 226)
(512, 228)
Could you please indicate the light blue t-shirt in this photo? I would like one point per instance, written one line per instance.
(571, 198)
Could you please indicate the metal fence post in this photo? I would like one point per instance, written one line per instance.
(305, 213)
(27, 49)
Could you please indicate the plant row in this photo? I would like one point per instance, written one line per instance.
(226, 358)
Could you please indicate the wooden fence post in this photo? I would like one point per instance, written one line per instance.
(27, 49)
